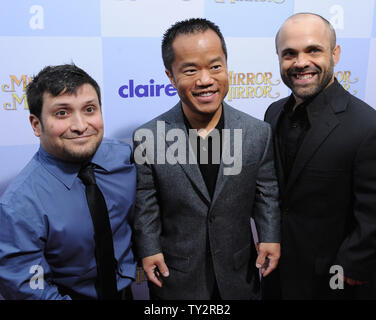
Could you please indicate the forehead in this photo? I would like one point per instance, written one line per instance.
(303, 31)
(85, 92)
(189, 45)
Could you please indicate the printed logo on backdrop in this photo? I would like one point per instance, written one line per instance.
(347, 79)
(136, 89)
(37, 19)
(250, 85)
(14, 92)
(337, 19)
(235, 1)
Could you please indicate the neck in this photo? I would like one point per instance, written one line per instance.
(299, 101)
(204, 123)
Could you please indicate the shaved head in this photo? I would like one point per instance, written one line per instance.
(306, 15)
(307, 53)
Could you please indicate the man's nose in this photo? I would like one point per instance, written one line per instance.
(79, 123)
(204, 78)
(301, 60)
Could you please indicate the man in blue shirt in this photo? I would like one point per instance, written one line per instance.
(47, 246)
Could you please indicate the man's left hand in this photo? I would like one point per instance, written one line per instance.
(268, 256)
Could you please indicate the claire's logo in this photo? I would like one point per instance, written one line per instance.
(151, 89)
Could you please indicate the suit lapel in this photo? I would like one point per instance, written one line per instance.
(323, 121)
(230, 122)
(175, 120)
(277, 152)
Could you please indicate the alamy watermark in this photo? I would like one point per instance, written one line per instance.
(37, 280)
(337, 280)
(182, 148)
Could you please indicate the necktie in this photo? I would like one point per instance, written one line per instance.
(104, 249)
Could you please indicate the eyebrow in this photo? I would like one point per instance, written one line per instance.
(62, 104)
(188, 64)
(312, 46)
(319, 46)
(192, 64)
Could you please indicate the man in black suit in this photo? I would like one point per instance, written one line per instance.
(325, 148)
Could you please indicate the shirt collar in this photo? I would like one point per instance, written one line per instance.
(66, 172)
(220, 125)
(312, 105)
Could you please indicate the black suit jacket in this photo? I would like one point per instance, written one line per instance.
(329, 200)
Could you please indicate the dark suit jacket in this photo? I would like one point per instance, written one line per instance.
(175, 215)
(329, 200)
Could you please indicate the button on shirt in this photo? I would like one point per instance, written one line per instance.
(45, 225)
(292, 129)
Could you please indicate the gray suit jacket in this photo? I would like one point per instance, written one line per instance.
(203, 239)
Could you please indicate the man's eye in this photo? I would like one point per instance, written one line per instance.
(288, 54)
(90, 109)
(216, 67)
(61, 113)
(190, 71)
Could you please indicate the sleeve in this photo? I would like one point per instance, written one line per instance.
(266, 212)
(24, 271)
(147, 222)
(357, 254)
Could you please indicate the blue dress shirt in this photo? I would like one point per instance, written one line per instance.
(46, 228)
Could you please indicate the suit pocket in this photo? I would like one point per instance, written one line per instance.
(176, 262)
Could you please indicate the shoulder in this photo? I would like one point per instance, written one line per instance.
(275, 107)
(115, 144)
(22, 186)
(113, 150)
(20, 204)
(362, 109)
(244, 120)
(170, 115)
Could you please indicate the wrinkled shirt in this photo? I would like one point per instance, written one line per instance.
(46, 231)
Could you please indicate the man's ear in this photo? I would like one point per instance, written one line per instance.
(35, 124)
(336, 54)
(171, 77)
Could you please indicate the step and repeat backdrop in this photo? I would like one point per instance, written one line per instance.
(118, 43)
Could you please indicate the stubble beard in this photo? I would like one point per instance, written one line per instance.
(311, 91)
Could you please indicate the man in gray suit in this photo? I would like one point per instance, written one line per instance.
(204, 169)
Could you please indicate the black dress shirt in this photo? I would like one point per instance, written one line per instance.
(209, 169)
(292, 129)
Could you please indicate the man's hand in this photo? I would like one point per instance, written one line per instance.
(154, 266)
(268, 256)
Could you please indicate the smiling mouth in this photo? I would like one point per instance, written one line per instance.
(79, 137)
(205, 94)
(304, 76)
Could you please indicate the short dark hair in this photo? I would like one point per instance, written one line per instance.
(188, 26)
(55, 80)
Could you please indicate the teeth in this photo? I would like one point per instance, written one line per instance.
(304, 76)
(205, 94)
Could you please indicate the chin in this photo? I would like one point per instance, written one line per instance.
(209, 110)
(80, 155)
